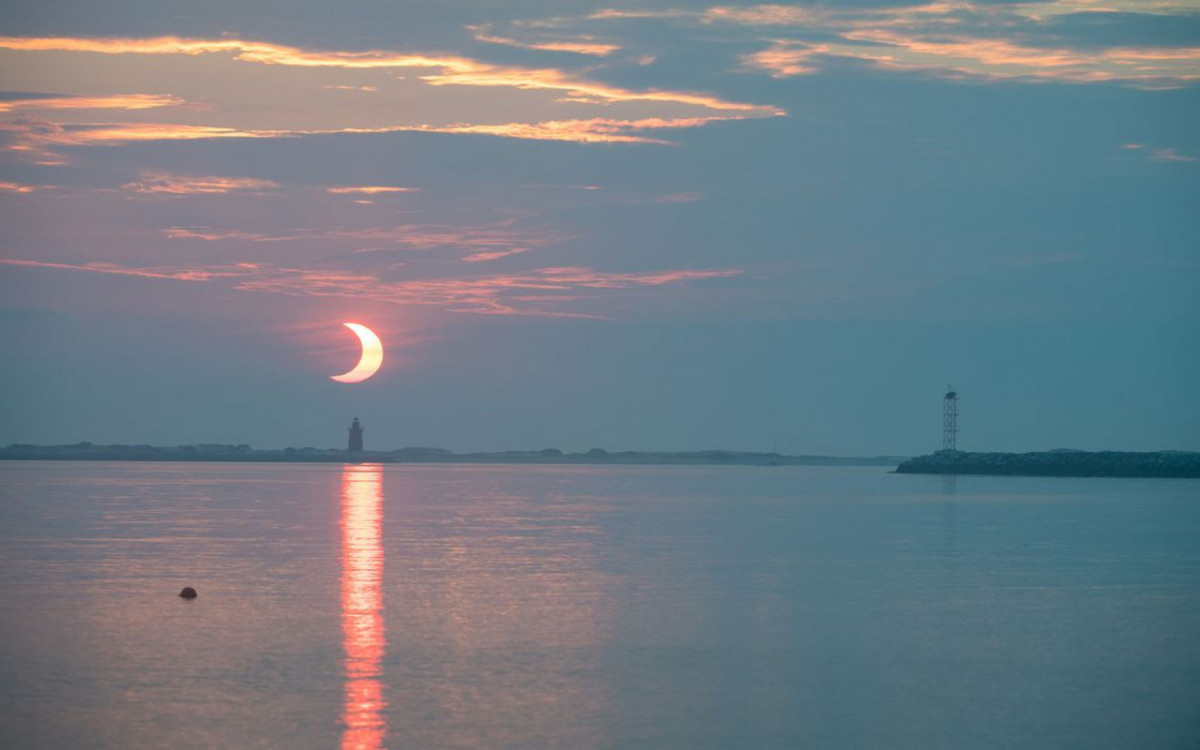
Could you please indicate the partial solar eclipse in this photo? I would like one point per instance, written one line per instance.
(372, 356)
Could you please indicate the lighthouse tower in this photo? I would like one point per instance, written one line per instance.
(356, 431)
(950, 420)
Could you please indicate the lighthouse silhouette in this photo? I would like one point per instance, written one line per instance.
(356, 431)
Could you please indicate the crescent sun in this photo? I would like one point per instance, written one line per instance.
(372, 355)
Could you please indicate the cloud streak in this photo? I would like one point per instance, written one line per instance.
(450, 70)
(498, 239)
(370, 190)
(152, 183)
(120, 101)
(537, 292)
(959, 40)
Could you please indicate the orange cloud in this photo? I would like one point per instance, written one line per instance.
(785, 59)
(16, 187)
(954, 39)
(503, 236)
(453, 70)
(121, 101)
(578, 46)
(596, 130)
(174, 184)
(534, 292)
(961, 55)
(999, 58)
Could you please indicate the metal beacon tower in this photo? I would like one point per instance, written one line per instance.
(950, 420)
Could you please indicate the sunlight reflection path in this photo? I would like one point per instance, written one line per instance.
(362, 606)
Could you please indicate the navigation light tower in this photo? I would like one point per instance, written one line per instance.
(950, 420)
(356, 432)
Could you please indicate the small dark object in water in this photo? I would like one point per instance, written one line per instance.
(188, 593)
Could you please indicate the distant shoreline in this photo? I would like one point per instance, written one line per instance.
(1060, 463)
(550, 456)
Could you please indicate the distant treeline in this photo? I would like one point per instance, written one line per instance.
(244, 453)
(1059, 463)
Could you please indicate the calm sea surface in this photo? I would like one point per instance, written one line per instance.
(580, 607)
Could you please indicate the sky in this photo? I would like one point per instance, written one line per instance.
(643, 225)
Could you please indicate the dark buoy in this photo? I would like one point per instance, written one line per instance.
(188, 593)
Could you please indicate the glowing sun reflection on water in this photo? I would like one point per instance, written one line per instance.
(362, 606)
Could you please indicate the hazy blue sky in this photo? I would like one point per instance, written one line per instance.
(631, 225)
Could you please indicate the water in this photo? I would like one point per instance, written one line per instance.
(580, 607)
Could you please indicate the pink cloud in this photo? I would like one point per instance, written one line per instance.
(152, 182)
(16, 187)
(370, 190)
(492, 255)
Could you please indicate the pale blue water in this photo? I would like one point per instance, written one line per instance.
(522, 607)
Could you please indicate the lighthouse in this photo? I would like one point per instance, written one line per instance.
(356, 431)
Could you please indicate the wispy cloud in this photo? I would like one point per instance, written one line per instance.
(1159, 154)
(370, 190)
(538, 292)
(591, 111)
(596, 130)
(190, 274)
(120, 101)
(578, 45)
(151, 182)
(450, 70)
(16, 187)
(505, 236)
(40, 140)
(960, 40)
(493, 255)
(686, 197)
(1170, 154)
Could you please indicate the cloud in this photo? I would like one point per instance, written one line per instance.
(370, 190)
(151, 182)
(767, 15)
(597, 130)
(1159, 154)
(578, 46)
(785, 59)
(451, 70)
(16, 187)
(294, 97)
(117, 270)
(688, 197)
(536, 292)
(1170, 154)
(959, 40)
(501, 236)
(38, 139)
(973, 56)
(493, 255)
(120, 101)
